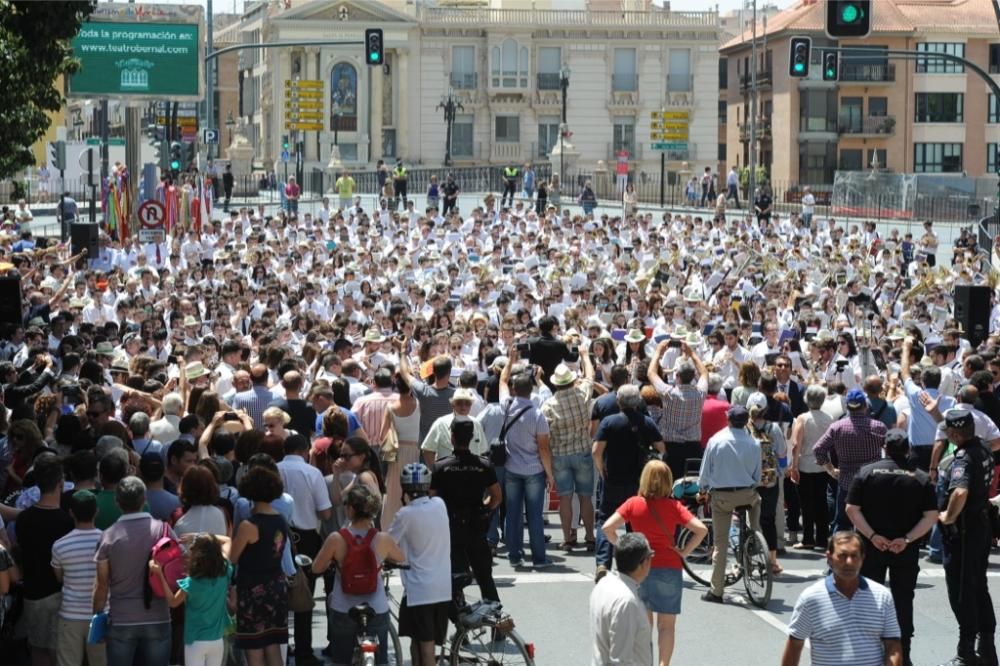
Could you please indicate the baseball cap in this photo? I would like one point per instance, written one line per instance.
(897, 439)
(756, 401)
(958, 418)
(856, 398)
(738, 416)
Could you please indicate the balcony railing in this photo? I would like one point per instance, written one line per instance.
(763, 129)
(868, 73)
(548, 80)
(565, 17)
(463, 80)
(624, 83)
(764, 78)
(868, 126)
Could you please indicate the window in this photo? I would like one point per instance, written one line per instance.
(624, 78)
(992, 112)
(937, 157)
(679, 71)
(817, 162)
(850, 160)
(461, 136)
(851, 114)
(881, 154)
(623, 135)
(878, 107)
(507, 129)
(463, 67)
(548, 134)
(937, 66)
(722, 152)
(722, 111)
(509, 65)
(939, 108)
(817, 112)
(994, 58)
(992, 164)
(723, 73)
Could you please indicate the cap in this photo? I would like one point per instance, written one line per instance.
(756, 401)
(738, 416)
(958, 418)
(856, 398)
(897, 439)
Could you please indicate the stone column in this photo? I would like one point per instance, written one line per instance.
(401, 77)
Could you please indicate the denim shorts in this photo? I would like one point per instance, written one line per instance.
(661, 591)
(574, 474)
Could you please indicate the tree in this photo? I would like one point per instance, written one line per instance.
(35, 47)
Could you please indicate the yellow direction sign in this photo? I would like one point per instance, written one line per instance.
(295, 93)
(306, 127)
(304, 115)
(668, 125)
(668, 136)
(670, 115)
(304, 104)
(304, 83)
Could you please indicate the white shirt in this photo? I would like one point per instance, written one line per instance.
(305, 483)
(619, 623)
(421, 530)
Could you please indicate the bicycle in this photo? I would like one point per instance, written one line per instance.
(484, 633)
(748, 559)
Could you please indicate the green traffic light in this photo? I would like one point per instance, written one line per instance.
(850, 13)
(830, 73)
(373, 57)
(799, 67)
(174, 164)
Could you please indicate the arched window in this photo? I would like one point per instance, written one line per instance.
(509, 65)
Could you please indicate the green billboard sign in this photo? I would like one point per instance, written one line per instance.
(138, 60)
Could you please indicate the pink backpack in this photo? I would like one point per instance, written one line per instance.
(170, 556)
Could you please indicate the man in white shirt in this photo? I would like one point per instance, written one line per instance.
(618, 619)
(421, 530)
(312, 504)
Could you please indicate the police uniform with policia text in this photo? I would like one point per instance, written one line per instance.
(965, 527)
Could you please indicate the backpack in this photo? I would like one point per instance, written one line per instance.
(359, 570)
(168, 554)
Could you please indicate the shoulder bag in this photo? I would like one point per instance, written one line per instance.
(498, 449)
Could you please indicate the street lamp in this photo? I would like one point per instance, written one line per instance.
(230, 124)
(563, 128)
(337, 113)
(450, 105)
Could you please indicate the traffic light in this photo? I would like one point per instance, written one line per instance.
(189, 152)
(57, 155)
(161, 154)
(374, 54)
(798, 57)
(831, 66)
(176, 156)
(848, 18)
(284, 142)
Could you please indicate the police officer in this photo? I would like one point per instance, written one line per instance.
(966, 530)
(892, 505)
(399, 180)
(510, 175)
(468, 485)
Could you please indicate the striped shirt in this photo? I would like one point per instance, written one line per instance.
(74, 554)
(370, 410)
(857, 439)
(844, 630)
(568, 415)
(254, 402)
(434, 403)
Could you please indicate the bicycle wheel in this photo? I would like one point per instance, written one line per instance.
(698, 564)
(395, 647)
(757, 565)
(490, 647)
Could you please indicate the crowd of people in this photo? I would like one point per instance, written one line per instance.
(416, 383)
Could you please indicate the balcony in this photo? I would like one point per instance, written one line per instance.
(547, 81)
(624, 83)
(506, 152)
(868, 126)
(867, 73)
(764, 79)
(763, 130)
(463, 80)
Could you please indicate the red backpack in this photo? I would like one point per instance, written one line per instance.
(359, 570)
(168, 554)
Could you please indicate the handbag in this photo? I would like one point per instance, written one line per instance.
(300, 597)
(659, 521)
(390, 445)
(498, 449)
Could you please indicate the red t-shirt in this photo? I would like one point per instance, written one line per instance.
(713, 418)
(672, 514)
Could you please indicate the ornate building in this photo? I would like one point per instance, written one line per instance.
(626, 62)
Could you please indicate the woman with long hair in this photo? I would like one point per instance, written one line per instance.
(749, 377)
(362, 507)
(656, 513)
(359, 458)
(403, 418)
(199, 510)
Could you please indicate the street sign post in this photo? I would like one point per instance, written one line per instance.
(284, 156)
(152, 217)
(210, 136)
(669, 145)
(668, 133)
(304, 105)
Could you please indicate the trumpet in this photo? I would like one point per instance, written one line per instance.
(924, 285)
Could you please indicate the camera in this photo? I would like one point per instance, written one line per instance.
(524, 349)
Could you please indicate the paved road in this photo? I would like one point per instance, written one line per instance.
(550, 611)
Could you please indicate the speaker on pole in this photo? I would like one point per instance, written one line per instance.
(83, 236)
(10, 300)
(972, 312)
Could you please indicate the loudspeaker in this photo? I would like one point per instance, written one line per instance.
(10, 300)
(84, 236)
(972, 312)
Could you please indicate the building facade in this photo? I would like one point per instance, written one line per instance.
(906, 116)
(501, 63)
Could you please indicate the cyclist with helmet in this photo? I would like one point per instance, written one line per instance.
(421, 530)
